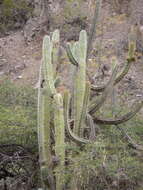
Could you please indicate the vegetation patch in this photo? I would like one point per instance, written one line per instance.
(14, 14)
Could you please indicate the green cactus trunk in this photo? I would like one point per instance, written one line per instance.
(80, 81)
(59, 140)
(45, 157)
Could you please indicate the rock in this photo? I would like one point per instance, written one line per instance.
(19, 77)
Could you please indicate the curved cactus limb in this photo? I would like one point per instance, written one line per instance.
(97, 103)
(121, 119)
(130, 60)
(59, 139)
(70, 55)
(132, 143)
(117, 80)
(71, 135)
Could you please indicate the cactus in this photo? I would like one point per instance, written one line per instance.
(95, 104)
(59, 139)
(80, 81)
(56, 114)
(47, 97)
(93, 29)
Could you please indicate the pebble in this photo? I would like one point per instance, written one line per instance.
(19, 77)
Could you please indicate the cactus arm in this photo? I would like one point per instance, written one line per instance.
(97, 103)
(47, 64)
(130, 60)
(132, 143)
(72, 136)
(57, 82)
(70, 55)
(121, 119)
(118, 79)
(55, 50)
(59, 139)
(45, 157)
(93, 30)
(46, 162)
(80, 80)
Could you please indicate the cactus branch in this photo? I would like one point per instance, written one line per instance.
(121, 119)
(47, 64)
(93, 29)
(80, 80)
(97, 103)
(59, 139)
(132, 143)
(130, 60)
(55, 50)
(72, 136)
(117, 80)
(70, 56)
(45, 157)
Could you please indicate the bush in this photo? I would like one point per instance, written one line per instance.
(14, 14)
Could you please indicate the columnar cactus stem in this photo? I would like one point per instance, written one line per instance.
(47, 65)
(93, 29)
(59, 139)
(55, 50)
(80, 81)
(45, 157)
